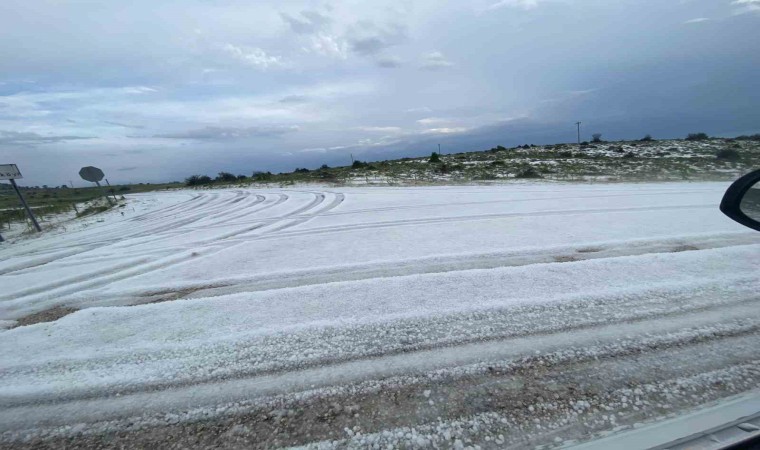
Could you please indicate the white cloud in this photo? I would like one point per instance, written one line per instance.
(445, 130)
(435, 61)
(381, 129)
(328, 45)
(433, 120)
(253, 56)
(521, 4)
(746, 6)
(697, 20)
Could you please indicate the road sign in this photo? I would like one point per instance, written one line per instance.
(92, 174)
(9, 172)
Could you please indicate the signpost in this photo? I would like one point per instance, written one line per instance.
(11, 172)
(94, 175)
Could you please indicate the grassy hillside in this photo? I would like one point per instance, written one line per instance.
(705, 159)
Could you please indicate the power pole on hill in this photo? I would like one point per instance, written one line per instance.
(439, 149)
(579, 133)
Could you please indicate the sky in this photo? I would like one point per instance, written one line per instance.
(152, 90)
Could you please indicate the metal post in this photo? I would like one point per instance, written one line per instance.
(110, 202)
(28, 209)
(439, 149)
(579, 133)
(112, 193)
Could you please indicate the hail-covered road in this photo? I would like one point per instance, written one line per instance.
(498, 316)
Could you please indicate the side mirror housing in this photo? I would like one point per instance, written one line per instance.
(741, 202)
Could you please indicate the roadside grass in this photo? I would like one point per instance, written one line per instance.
(51, 202)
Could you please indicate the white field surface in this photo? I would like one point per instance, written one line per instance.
(518, 315)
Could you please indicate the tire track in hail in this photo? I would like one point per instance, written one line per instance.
(90, 246)
(453, 219)
(163, 263)
(701, 315)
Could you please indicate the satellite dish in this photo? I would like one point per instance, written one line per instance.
(90, 173)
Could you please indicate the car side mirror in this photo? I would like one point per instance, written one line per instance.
(741, 202)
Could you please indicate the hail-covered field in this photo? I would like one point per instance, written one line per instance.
(515, 315)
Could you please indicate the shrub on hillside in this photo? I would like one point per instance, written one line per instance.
(528, 172)
(596, 137)
(727, 154)
(443, 168)
(225, 177)
(358, 165)
(262, 176)
(434, 158)
(697, 137)
(647, 138)
(754, 137)
(197, 180)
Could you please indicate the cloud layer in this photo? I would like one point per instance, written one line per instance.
(157, 91)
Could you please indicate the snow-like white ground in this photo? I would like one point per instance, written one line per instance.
(200, 298)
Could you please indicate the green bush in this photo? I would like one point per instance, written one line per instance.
(697, 137)
(225, 177)
(262, 176)
(434, 158)
(528, 172)
(196, 180)
(727, 154)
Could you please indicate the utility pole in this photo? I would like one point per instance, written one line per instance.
(579, 133)
(72, 184)
(439, 149)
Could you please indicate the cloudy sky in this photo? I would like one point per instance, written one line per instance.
(153, 90)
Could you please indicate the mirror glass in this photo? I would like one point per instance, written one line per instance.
(750, 204)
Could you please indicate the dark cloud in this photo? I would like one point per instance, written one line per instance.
(124, 125)
(228, 133)
(306, 22)
(388, 62)
(26, 138)
(294, 99)
(367, 38)
(127, 169)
